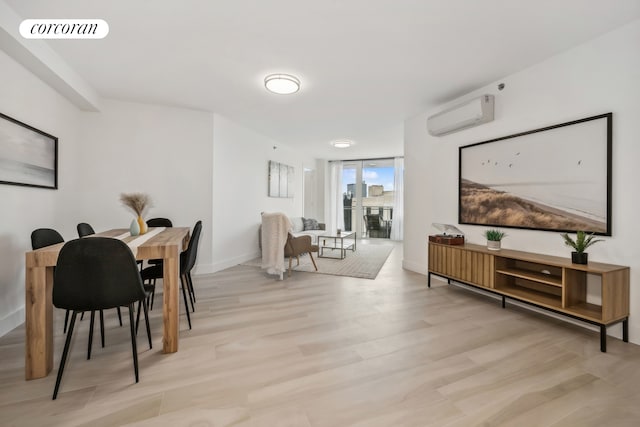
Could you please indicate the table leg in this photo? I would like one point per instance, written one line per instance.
(38, 322)
(170, 301)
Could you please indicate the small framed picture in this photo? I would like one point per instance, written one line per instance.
(28, 156)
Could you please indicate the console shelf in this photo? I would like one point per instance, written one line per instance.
(535, 277)
(548, 282)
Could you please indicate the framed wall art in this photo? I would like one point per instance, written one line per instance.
(28, 156)
(281, 180)
(556, 178)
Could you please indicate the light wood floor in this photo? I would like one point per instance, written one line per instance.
(325, 351)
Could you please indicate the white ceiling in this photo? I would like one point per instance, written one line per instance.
(365, 65)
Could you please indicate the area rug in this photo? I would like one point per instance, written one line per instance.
(364, 263)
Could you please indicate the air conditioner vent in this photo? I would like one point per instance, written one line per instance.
(463, 116)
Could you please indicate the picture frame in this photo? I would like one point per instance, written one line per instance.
(281, 180)
(556, 178)
(28, 156)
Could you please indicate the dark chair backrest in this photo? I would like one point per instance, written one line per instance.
(45, 237)
(85, 229)
(188, 257)
(159, 222)
(373, 221)
(96, 274)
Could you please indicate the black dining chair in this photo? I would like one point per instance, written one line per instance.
(157, 222)
(191, 256)
(187, 261)
(45, 237)
(111, 269)
(41, 238)
(85, 229)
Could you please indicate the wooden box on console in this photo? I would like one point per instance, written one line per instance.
(446, 240)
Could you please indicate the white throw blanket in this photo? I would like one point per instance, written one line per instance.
(275, 229)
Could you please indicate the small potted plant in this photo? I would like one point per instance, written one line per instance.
(582, 242)
(493, 239)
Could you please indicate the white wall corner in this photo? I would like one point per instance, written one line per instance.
(224, 264)
(416, 267)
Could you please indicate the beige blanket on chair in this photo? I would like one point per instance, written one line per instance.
(275, 229)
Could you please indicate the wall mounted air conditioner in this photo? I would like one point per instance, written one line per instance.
(472, 113)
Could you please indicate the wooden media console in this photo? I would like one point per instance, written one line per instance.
(549, 282)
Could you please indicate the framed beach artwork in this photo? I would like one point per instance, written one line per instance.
(28, 156)
(556, 178)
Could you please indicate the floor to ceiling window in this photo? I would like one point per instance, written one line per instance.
(368, 195)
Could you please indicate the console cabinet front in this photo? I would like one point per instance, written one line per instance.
(458, 263)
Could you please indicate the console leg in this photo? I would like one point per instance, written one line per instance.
(625, 330)
(504, 302)
(429, 279)
(448, 281)
(603, 338)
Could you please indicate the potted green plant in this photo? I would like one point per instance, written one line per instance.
(582, 242)
(493, 238)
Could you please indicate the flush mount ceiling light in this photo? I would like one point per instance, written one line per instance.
(282, 84)
(342, 143)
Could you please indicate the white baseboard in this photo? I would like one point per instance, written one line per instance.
(12, 321)
(221, 265)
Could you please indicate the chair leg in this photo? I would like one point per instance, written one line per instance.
(153, 293)
(193, 290)
(134, 347)
(102, 327)
(66, 321)
(313, 261)
(119, 315)
(290, 259)
(192, 295)
(138, 316)
(65, 352)
(146, 320)
(185, 283)
(186, 303)
(93, 313)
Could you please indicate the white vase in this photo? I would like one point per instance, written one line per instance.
(134, 228)
(493, 245)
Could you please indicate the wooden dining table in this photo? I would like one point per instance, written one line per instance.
(164, 243)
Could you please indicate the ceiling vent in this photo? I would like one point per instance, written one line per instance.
(463, 116)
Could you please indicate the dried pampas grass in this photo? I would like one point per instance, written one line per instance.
(139, 203)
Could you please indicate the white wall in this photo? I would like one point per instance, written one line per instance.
(22, 209)
(240, 177)
(597, 77)
(162, 151)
